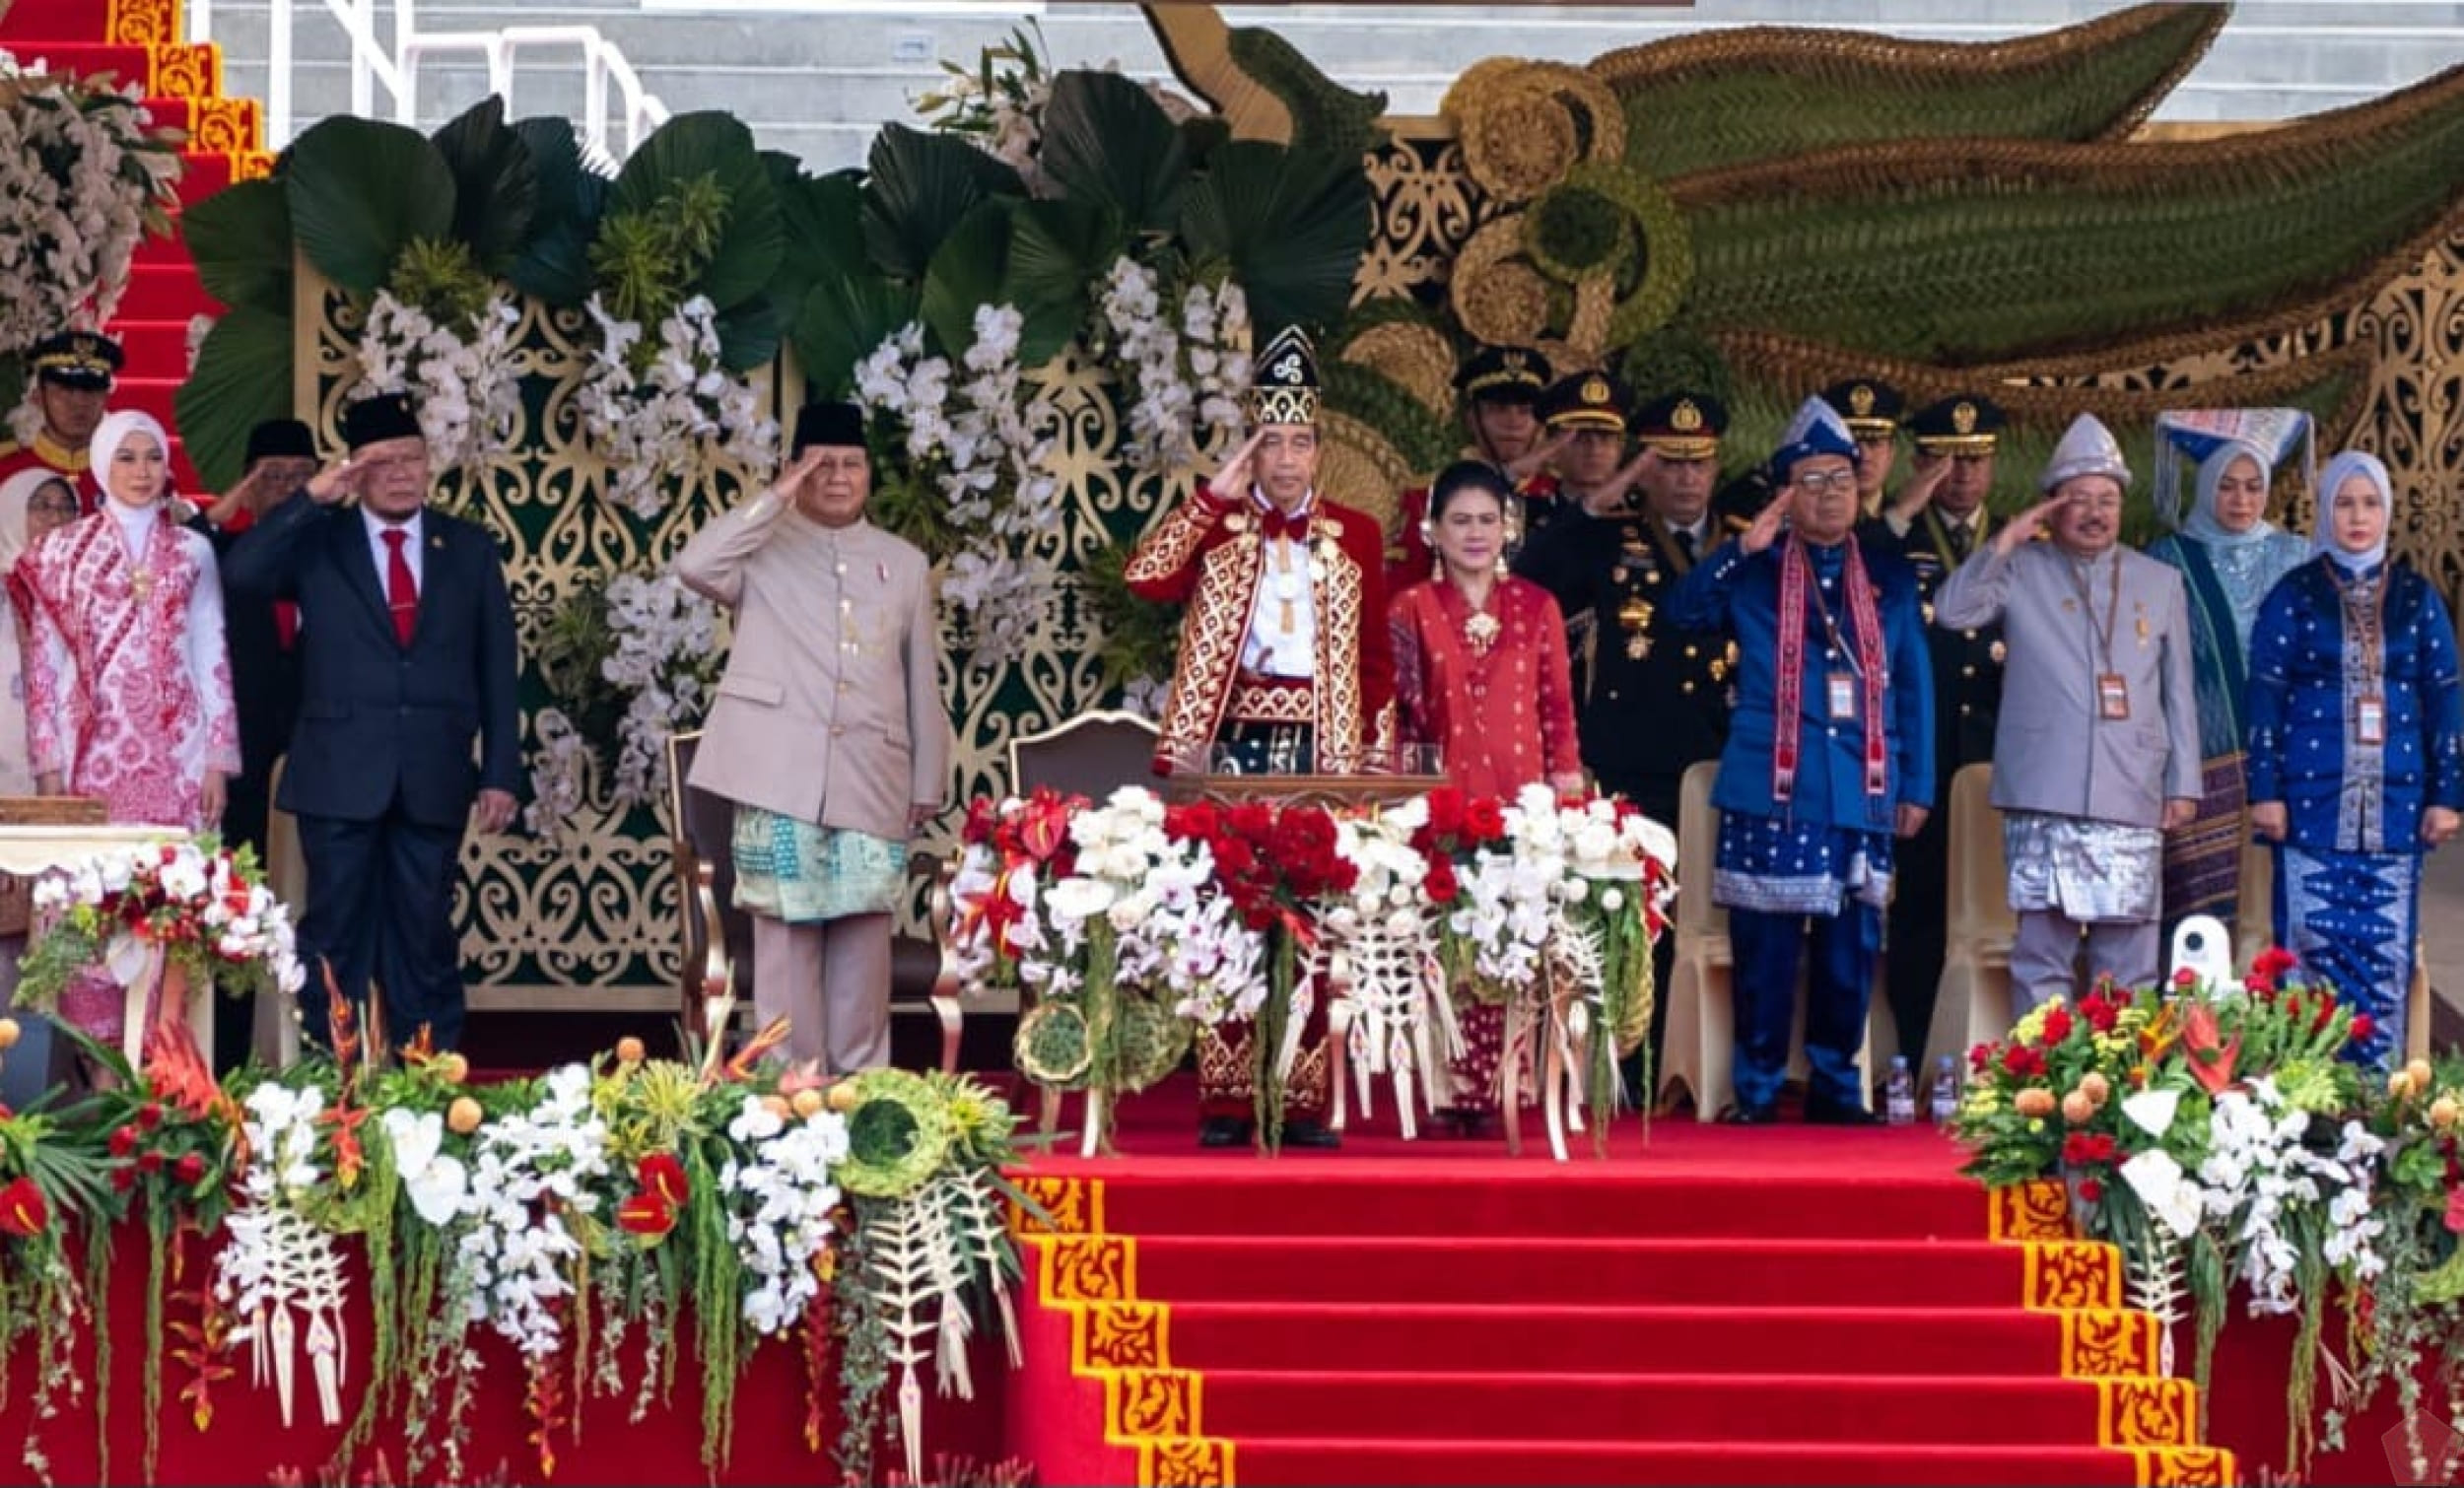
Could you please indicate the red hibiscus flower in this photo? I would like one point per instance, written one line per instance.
(1483, 819)
(23, 1211)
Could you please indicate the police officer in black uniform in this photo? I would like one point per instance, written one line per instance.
(1652, 699)
(1935, 523)
(1872, 409)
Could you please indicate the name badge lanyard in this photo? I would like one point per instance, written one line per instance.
(1842, 684)
(2365, 640)
(2112, 692)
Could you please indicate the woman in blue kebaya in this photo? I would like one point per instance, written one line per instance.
(2357, 749)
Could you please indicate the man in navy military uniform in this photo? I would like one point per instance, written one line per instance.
(1653, 698)
(1500, 388)
(1871, 407)
(1935, 524)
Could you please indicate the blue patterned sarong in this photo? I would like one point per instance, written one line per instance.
(1783, 868)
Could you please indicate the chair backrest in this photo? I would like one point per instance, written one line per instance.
(1697, 850)
(1978, 904)
(704, 827)
(1092, 754)
(286, 871)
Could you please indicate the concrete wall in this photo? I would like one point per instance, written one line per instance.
(819, 77)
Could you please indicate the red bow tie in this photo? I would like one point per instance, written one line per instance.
(1276, 523)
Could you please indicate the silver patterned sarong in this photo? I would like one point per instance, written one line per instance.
(2090, 871)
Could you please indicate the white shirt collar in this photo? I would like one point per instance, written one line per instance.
(378, 526)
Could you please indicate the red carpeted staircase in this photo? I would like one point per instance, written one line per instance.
(1785, 1306)
(138, 41)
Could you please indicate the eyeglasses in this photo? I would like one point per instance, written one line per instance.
(1819, 483)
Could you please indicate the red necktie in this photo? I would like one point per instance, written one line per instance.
(401, 593)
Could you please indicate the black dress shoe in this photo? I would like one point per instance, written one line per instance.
(1749, 1116)
(1830, 1114)
(1223, 1131)
(1304, 1132)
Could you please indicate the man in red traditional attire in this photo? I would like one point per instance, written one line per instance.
(1285, 666)
(1500, 387)
(73, 373)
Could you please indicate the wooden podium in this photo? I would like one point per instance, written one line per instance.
(1332, 791)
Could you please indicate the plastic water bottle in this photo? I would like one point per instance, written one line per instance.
(1945, 1093)
(1899, 1096)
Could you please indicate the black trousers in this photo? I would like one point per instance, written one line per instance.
(380, 906)
(247, 806)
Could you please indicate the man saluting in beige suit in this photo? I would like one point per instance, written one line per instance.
(828, 733)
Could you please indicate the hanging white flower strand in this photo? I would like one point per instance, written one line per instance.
(1184, 375)
(469, 390)
(985, 448)
(675, 424)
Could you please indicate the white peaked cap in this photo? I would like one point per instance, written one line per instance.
(2088, 448)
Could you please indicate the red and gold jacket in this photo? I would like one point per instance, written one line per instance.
(1208, 555)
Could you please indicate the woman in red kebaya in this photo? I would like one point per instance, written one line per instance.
(1481, 672)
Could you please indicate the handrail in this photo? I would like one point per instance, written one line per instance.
(396, 66)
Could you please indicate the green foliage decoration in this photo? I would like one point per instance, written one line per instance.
(1109, 144)
(1426, 440)
(240, 240)
(1573, 230)
(1916, 253)
(1706, 100)
(1326, 115)
(242, 378)
(1290, 225)
(496, 184)
(648, 257)
(358, 191)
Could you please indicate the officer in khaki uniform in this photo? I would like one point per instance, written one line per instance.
(828, 733)
(1936, 523)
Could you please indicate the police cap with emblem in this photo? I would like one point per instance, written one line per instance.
(1683, 426)
(1964, 423)
(1503, 374)
(1868, 406)
(86, 360)
(1586, 400)
(1285, 390)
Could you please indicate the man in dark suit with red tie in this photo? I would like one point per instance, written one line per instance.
(407, 661)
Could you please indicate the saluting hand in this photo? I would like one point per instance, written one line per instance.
(334, 482)
(1536, 459)
(1232, 482)
(1919, 494)
(2024, 526)
(1766, 524)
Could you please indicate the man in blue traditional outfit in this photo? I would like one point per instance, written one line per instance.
(2096, 752)
(1829, 759)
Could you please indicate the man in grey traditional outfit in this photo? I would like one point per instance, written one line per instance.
(2096, 752)
(828, 733)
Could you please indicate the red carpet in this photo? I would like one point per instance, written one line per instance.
(1780, 1305)
(137, 42)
